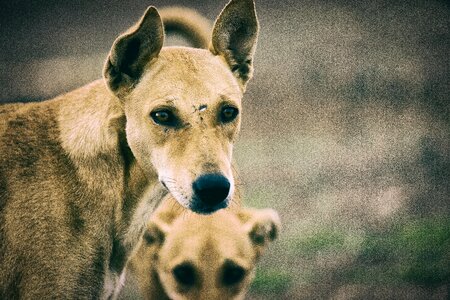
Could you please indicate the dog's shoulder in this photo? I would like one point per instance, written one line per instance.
(90, 120)
(28, 129)
(57, 138)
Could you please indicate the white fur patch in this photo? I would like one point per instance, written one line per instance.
(147, 205)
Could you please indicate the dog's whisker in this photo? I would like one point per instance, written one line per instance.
(169, 181)
(236, 173)
(179, 209)
(173, 206)
(232, 204)
(184, 214)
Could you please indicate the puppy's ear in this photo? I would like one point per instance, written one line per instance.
(161, 222)
(155, 233)
(262, 225)
(234, 37)
(132, 51)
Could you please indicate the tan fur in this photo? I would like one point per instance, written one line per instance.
(187, 21)
(80, 174)
(227, 241)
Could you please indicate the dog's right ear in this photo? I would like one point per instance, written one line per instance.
(234, 37)
(262, 226)
(132, 51)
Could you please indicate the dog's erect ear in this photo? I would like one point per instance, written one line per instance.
(234, 37)
(262, 225)
(132, 51)
(160, 224)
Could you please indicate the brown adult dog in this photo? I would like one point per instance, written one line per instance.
(190, 256)
(80, 173)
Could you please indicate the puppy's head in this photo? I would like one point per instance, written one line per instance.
(207, 257)
(182, 105)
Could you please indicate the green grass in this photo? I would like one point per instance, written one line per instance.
(427, 251)
(414, 251)
(417, 251)
(324, 240)
(271, 281)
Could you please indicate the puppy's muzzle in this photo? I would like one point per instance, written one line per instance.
(211, 190)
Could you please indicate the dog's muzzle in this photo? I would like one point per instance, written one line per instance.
(210, 192)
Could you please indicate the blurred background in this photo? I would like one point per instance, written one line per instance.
(345, 131)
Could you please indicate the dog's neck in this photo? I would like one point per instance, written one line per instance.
(92, 125)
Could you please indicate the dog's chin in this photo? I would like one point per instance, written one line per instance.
(194, 204)
(202, 209)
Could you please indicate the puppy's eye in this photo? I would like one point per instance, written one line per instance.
(184, 274)
(164, 117)
(233, 275)
(228, 114)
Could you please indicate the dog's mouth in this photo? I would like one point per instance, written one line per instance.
(199, 208)
(164, 185)
(210, 192)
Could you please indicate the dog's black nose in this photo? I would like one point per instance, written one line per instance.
(211, 189)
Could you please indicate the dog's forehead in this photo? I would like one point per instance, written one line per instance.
(195, 76)
(214, 238)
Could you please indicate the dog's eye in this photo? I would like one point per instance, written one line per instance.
(164, 117)
(233, 275)
(228, 114)
(184, 274)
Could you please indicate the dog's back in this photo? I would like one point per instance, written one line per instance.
(26, 132)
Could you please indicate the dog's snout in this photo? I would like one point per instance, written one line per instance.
(211, 189)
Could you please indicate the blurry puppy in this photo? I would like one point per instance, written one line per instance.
(183, 255)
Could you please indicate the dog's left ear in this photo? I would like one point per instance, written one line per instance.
(155, 234)
(160, 223)
(132, 51)
(262, 225)
(234, 37)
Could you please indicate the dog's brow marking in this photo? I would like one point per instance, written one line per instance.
(171, 99)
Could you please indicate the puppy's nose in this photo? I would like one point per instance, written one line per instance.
(211, 189)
